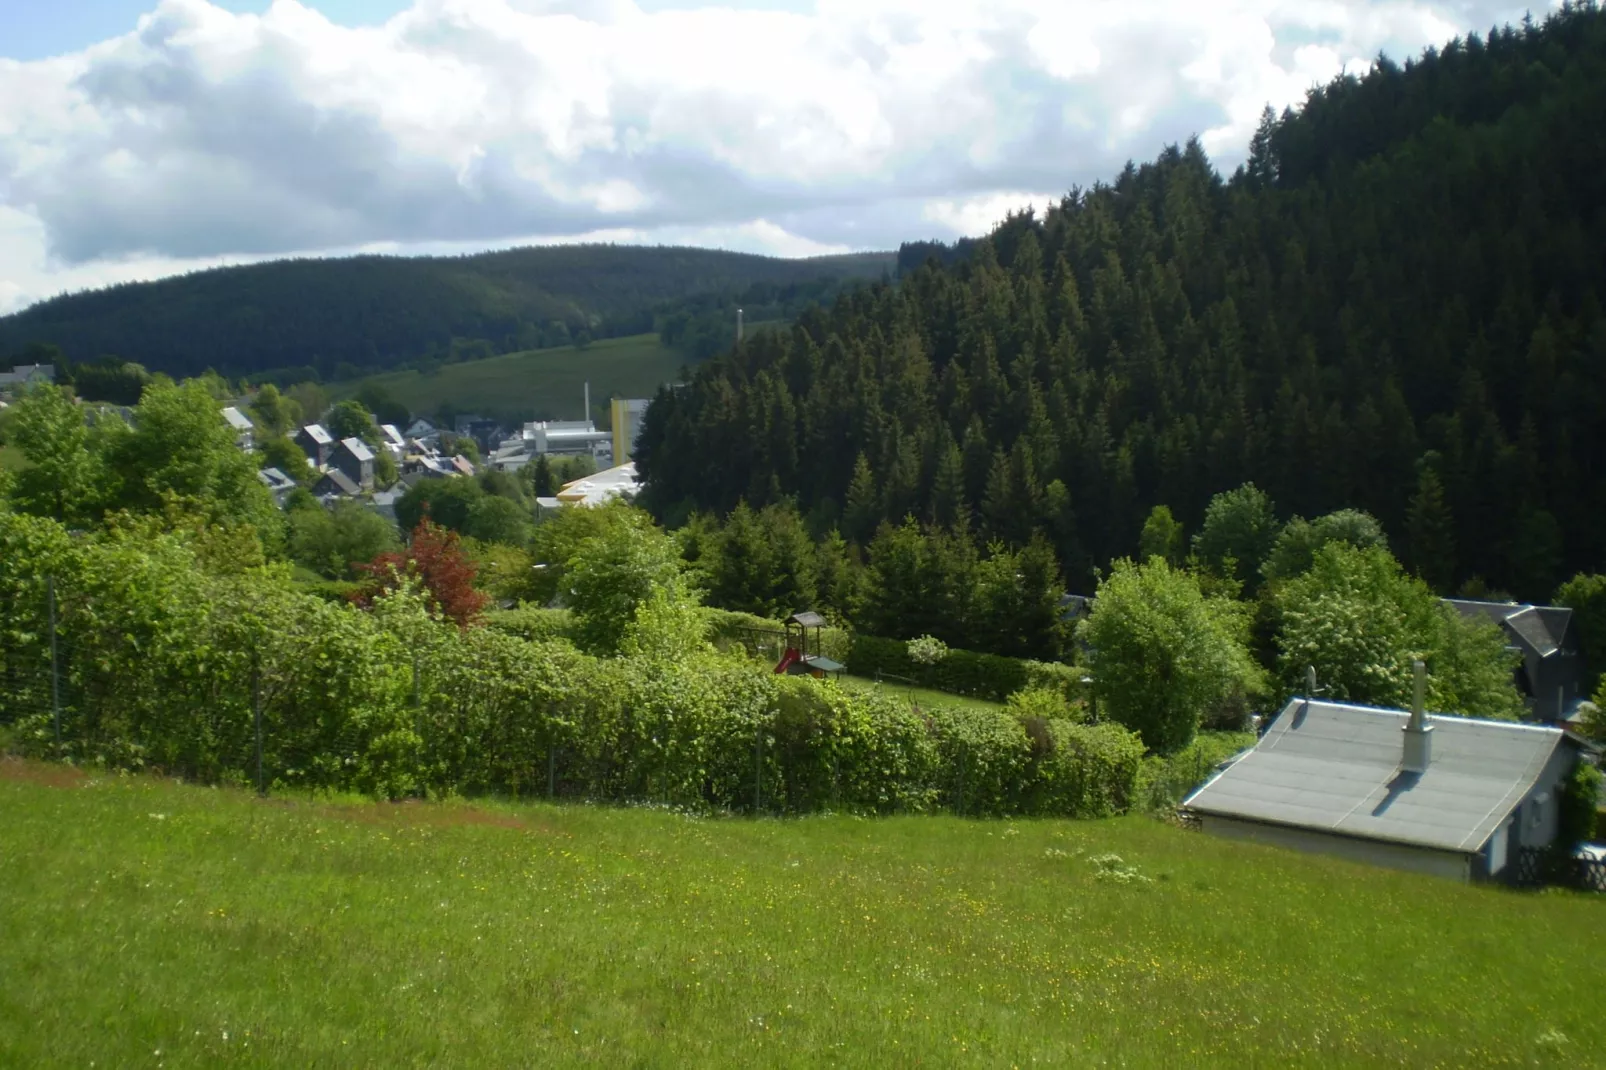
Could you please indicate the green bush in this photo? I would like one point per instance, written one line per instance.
(532, 623)
(166, 663)
(961, 672)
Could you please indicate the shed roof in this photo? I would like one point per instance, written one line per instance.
(237, 419)
(808, 618)
(1335, 767)
(358, 448)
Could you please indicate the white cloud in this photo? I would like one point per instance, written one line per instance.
(206, 136)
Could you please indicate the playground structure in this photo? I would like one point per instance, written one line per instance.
(803, 656)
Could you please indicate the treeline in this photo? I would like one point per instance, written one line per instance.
(341, 318)
(1395, 305)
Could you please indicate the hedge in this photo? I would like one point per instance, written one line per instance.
(165, 665)
(962, 672)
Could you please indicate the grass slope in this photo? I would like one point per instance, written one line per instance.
(919, 696)
(143, 923)
(546, 382)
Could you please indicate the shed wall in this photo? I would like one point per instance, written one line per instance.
(1371, 852)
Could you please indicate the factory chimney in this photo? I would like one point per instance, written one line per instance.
(738, 326)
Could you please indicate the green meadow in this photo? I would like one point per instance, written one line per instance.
(145, 923)
(544, 381)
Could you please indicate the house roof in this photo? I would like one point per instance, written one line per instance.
(341, 482)
(1334, 767)
(317, 433)
(463, 465)
(237, 419)
(274, 479)
(358, 448)
(392, 435)
(1541, 629)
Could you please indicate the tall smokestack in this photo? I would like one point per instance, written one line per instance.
(587, 414)
(738, 326)
(1418, 732)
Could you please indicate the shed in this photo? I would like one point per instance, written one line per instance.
(1452, 796)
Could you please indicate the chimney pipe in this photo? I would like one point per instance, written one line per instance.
(1310, 682)
(1418, 732)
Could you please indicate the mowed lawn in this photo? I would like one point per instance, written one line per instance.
(144, 923)
(918, 696)
(543, 380)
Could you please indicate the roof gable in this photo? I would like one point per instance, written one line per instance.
(1541, 630)
(1336, 767)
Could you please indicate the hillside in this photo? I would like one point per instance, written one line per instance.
(342, 317)
(535, 384)
(202, 926)
(1396, 305)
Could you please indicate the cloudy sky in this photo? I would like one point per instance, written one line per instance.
(144, 137)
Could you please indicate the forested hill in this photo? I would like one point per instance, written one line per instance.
(1395, 305)
(374, 313)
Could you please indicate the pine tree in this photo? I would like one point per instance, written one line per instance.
(1430, 528)
(862, 511)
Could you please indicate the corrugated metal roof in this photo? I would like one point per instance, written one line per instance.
(1336, 767)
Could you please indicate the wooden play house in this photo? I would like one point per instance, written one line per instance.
(803, 656)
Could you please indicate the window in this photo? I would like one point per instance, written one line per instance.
(1536, 810)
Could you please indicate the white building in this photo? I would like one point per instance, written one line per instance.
(627, 416)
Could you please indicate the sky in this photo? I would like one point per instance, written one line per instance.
(140, 138)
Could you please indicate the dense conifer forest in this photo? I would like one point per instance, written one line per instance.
(304, 319)
(1395, 305)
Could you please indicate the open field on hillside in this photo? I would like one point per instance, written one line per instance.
(144, 923)
(548, 382)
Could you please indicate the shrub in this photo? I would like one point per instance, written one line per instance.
(961, 672)
(926, 650)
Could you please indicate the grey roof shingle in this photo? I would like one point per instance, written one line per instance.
(317, 433)
(358, 448)
(341, 481)
(1542, 629)
(1336, 768)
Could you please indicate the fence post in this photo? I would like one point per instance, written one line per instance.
(417, 726)
(55, 663)
(758, 767)
(256, 716)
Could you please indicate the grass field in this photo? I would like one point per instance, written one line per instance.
(11, 458)
(920, 696)
(548, 382)
(148, 924)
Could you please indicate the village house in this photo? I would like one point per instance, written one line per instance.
(1552, 675)
(25, 375)
(1452, 796)
(333, 483)
(244, 430)
(316, 442)
(353, 457)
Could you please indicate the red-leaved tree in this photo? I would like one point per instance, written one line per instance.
(436, 558)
